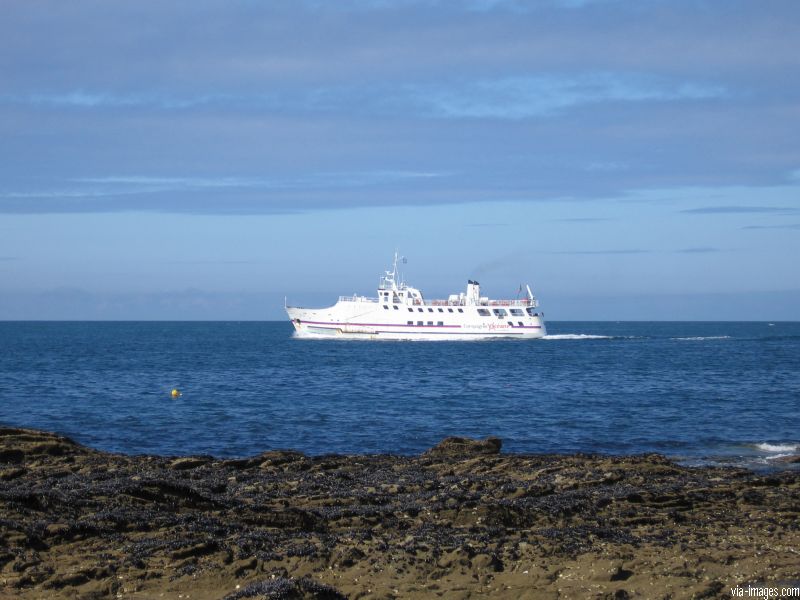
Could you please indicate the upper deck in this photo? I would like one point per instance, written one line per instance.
(455, 302)
(393, 290)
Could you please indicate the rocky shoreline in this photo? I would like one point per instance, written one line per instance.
(459, 521)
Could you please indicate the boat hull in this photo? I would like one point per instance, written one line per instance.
(354, 321)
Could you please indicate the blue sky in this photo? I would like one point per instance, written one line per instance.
(201, 160)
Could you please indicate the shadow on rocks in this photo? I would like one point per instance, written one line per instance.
(283, 588)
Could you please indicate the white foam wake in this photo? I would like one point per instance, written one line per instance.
(778, 447)
(703, 338)
(778, 456)
(576, 336)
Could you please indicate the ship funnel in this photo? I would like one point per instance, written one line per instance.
(473, 293)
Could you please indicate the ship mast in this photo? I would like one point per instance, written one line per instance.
(393, 280)
(389, 279)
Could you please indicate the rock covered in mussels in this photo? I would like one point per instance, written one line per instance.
(459, 520)
(461, 447)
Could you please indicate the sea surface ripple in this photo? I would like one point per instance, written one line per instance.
(699, 392)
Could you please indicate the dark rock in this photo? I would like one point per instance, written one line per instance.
(241, 567)
(712, 590)
(621, 574)
(71, 580)
(487, 562)
(11, 456)
(14, 472)
(348, 557)
(79, 523)
(195, 550)
(280, 457)
(189, 462)
(18, 444)
(460, 447)
(281, 588)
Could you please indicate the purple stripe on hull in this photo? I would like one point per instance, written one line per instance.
(378, 324)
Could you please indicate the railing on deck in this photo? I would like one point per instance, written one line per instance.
(357, 299)
(417, 302)
(523, 302)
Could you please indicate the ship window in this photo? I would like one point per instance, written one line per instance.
(430, 310)
(420, 323)
(510, 323)
(484, 312)
(430, 322)
(419, 309)
(449, 310)
(520, 324)
(517, 312)
(385, 307)
(409, 322)
(440, 323)
(500, 312)
(530, 310)
(461, 310)
(394, 307)
(441, 310)
(410, 310)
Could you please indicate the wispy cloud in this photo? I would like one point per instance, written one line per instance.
(329, 179)
(85, 99)
(787, 226)
(514, 6)
(581, 219)
(607, 167)
(626, 251)
(515, 97)
(692, 250)
(719, 210)
(213, 262)
(547, 95)
(698, 250)
(110, 186)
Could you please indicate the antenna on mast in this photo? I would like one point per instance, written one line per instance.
(389, 279)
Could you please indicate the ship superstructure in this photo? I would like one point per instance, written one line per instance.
(401, 312)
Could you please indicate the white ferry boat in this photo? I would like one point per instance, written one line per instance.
(401, 312)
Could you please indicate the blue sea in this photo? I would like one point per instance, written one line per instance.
(719, 393)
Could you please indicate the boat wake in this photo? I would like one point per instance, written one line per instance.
(702, 338)
(577, 336)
